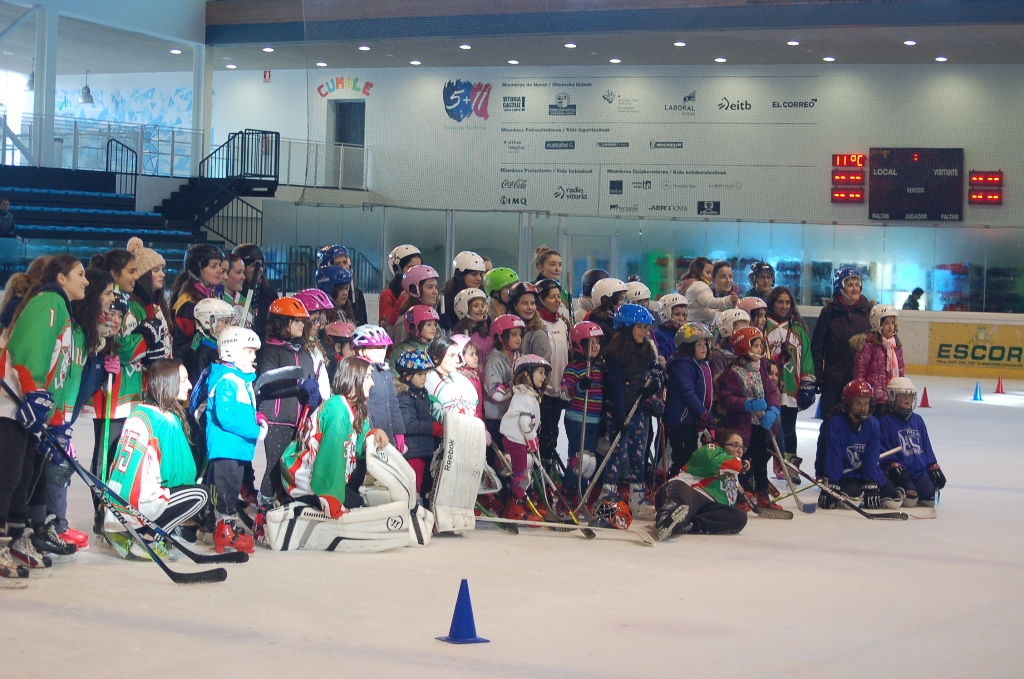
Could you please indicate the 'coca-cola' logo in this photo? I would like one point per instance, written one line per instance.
(514, 184)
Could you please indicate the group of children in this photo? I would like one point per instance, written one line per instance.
(485, 344)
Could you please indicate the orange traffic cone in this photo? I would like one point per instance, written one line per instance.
(924, 399)
(999, 386)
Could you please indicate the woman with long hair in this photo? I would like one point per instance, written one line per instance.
(548, 263)
(199, 278)
(702, 302)
(401, 259)
(39, 365)
(329, 456)
(17, 285)
(149, 297)
(153, 466)
(468, 270)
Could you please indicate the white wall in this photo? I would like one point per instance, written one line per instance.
(763, 163)
(171, 19)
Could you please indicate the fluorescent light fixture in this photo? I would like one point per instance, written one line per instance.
(175, 51)
(268, 49)
(514, 62)
(829, 59)
(465, 47)
(679, 43)
(940, 58)
(570, 45)
(321, 64)
(615, 61)
(364, 48)
(231, 66)
(793, 43)
(720, 60)
(415, 62)
(910, 43)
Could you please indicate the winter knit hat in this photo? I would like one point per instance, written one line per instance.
(145, 258)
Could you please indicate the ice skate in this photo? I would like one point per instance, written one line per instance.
(75, 537)
(514, 510)
(46, 540)
(639, 505)
(764, 500)
(23, 551)
(228, 536)
(12, 574)
(671, 515)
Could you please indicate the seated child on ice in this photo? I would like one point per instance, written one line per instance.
(914, 468)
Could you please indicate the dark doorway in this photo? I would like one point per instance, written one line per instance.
(350, 122)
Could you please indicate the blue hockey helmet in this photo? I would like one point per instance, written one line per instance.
(629, 315)
(841, 275)
(413, 361)
(329, 276)
(325, 256)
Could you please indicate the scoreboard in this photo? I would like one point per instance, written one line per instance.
(916, 184)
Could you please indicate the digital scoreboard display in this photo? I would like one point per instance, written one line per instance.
(915, 184)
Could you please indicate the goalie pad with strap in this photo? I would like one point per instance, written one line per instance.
(395, 481)
(297, 525)
(459, 466)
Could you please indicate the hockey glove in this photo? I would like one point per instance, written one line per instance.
(768, 419)
(655, 380)
(310, 393)
(872, 498)
(261, 420)
(400, 443)
(112, 364)
(34, 409)
(151, 330)
(938, 478)
(59, 433)
(654, 407)
(805, 397)
(589, 464)
(897, 473)
(827, 500)
(438, 430)
(154, 352)
(755, 405)
(585, 384)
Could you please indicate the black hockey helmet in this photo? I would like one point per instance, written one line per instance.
(249, 252)
(590, 277)
(198, 256)
(758, 269)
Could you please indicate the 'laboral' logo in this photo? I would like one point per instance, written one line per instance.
(688, 107)
(341, 83)
(726, 105)
(463, 99)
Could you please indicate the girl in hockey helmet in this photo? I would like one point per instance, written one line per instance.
(630, 363)
(371, 344)
(400, 260)
(554, 322)
(913, 469)
(339, 255)
(722, 356)
(336, 283)
(467, 273)
(519, 427)
(789, 344)
(152, 465)
(497, 283)
(330, 450)
(672, 313)
(421, 285)
(756, 310)
(849, 445)
(318, 304)
(762, 280)
(212, 316)
(338, 336)
(585, 303)
(879, 353)
(420, 443)
(507, 336)
(287, 323)
(421, 324)
(448, 389)
(702, 499)
(690, 393)
(471, 310)
(638, 293)
(842, 317)
(608, 295)
(695, 284)
(199, 278)
(582, 386)
(750, 401)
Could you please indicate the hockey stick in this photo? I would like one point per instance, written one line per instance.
(102, 490)
(889, 453)
(583, 432)
(886, 516)
(488, 514)
(567, 528)
(106, 428)
(544, 480)
(245, 310)
(611, 450)
(805, 508)
(768, 512)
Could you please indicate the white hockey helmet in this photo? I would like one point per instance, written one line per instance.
(398, 254)
(210, 310)
(468, 261)
(636, 292)
(463, 299)
(901, 385)
(232, 340)
(606, 289)
(880, 312)
(667, 303)
(729, 319)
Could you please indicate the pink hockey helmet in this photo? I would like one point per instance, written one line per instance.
(584, 330)
(417, 314)
(314, 300)
(503, 323)
(414, 278)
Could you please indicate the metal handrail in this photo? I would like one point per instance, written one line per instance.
(123, 161)
(251, 154)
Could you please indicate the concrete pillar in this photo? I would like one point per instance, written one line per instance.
(46, 86)
(202, 103)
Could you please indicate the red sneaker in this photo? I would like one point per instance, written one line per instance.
(764, 501)
(513, 510)
(75, 537)
(227, 536)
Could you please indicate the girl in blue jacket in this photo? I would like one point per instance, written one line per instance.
(690, 393)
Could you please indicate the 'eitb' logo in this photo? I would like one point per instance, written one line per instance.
(562, 107)
(726, 105)
(463, 99)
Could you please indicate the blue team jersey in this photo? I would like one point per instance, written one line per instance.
(851, 454)
(912, 436)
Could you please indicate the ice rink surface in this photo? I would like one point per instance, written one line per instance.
(825, 595)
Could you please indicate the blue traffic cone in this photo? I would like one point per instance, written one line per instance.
(977, 392)
(463, 629)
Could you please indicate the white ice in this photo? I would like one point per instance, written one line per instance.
(825, 595)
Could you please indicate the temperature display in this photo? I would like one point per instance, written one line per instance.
(848, 159)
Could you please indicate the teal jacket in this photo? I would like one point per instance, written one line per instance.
(231, 429)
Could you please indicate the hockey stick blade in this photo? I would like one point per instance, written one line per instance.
(640, 535)
(885, 516)
(769, 513)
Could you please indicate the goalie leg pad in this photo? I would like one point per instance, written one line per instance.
(368, 529)
(392, 474)
(459, 468)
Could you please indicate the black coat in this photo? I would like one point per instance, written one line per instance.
(830, 343)
(419, 423)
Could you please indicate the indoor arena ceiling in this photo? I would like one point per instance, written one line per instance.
(98, 49)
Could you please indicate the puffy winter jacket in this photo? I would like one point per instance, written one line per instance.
(702, 303)
(830, 343)
(279, 354)
(665, 340)
(688, 390)
(731, 398)
(871, 363)
(419, 423)
(231, 428)
(383, 404)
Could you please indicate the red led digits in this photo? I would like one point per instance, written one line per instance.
(847, 179)
(986, 187)
(848, 159)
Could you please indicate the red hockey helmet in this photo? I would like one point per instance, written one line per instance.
(743, 339)
(857, 388)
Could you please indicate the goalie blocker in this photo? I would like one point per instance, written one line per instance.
(390, 519)
(458, 467)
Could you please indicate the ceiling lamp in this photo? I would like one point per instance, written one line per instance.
(86, 96)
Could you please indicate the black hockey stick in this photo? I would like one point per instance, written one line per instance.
(885, 516)
(102, 490)
(805, 508)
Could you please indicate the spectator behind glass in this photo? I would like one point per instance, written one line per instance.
(6, 218)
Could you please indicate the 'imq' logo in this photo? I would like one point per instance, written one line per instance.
(726, 105)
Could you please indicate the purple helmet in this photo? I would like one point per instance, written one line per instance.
(370, 336)
(314, 300)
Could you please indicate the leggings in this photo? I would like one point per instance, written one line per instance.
(17, 471)
(519, 455)
(683, 439)
(550, 416)
(788, 421)
(630, 455)
(278, 438)
(756, 480)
